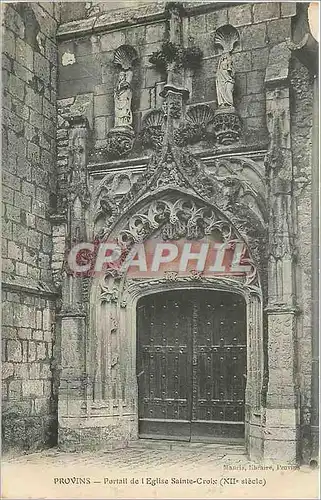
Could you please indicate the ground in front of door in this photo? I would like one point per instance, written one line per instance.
(153, 469)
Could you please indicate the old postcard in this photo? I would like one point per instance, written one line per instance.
(160, 232)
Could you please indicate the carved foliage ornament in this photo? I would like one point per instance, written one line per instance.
(227, 127)
(175, 54)
(278, 127)
(182, 218)
(106, 199)
(179, 170)
(173, 220)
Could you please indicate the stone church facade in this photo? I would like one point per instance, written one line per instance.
(160, 122)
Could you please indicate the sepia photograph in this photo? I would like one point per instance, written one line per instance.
(160, 249)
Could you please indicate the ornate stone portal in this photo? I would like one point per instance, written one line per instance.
(178, 197)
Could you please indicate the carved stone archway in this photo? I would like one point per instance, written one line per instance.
(111, 354)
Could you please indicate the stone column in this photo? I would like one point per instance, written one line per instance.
(255, 364)
(73, 380)
(315, 403)
(306, 50)
(280, 419)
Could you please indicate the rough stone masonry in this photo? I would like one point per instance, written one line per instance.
(114, 118)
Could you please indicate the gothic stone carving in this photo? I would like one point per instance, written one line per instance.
(182, 218)
(152, 133)
(173, 220)
(279, 177)
(124, 57)
(173, 108)
(175, 57)
(227, 37)
(120, 142)
(106, 199)
(227, 126)
(197, 125)
(120, 139)
(178, 170)
(225, 82)
(226, 122)
(77, 182)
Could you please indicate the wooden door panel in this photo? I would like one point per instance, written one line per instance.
(217, 432)
(164, 328)
(220, 351)
(191, 365)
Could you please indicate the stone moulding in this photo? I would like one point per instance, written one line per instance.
(152, 13)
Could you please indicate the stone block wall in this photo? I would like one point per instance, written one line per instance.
(28, 391)
(86, 63)
(86, 66)
(261, 26)
(29, 63)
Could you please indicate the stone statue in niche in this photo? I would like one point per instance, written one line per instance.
(123, 99)
(225, 81)
(120, 138)
(226, 122)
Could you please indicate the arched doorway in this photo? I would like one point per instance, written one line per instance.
(191, 365)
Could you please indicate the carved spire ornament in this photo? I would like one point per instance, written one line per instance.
(78, 199)
(120, 139)
(226, 122)
(171, 60)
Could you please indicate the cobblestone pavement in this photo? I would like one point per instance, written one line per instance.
(149, 469)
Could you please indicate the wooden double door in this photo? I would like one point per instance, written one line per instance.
(191, 365)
